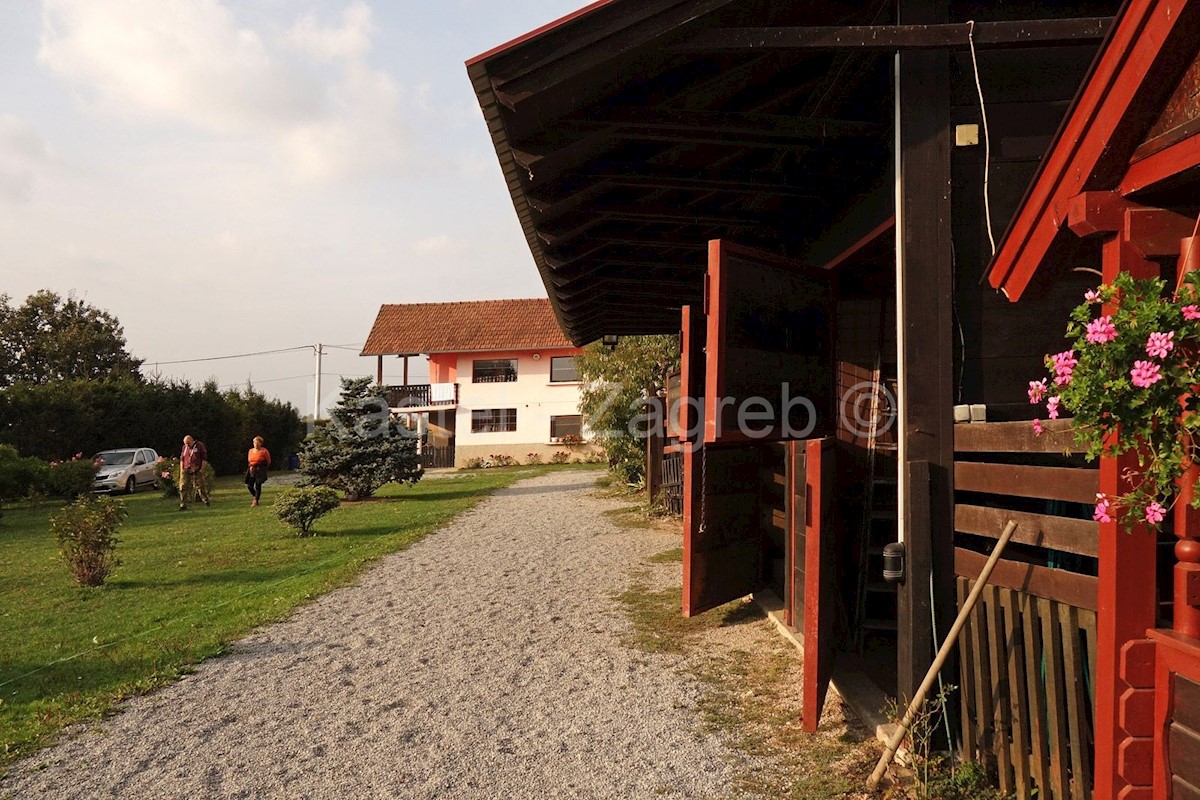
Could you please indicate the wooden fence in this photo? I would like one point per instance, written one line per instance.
(1028, 653)
(671, 489)
(437, 457)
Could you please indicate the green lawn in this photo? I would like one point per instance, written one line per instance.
(190, 583)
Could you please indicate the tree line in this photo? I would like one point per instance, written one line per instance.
(69, 385)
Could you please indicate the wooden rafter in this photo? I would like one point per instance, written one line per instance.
(1013, 33)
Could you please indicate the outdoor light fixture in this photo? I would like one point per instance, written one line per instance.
(609, 341)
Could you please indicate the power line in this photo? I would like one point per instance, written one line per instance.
(238, 355)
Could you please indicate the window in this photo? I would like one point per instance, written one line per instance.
(570, 425)
(497, 370)
(493, 420)
(563, 369)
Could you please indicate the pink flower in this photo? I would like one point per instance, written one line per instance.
(1155, 513)
(166, 473)
(1191, 312)
(1160, 344)
(1064, 364)
(1092, 296)
(1037, 390)
(1101, 330)
(1145, 374)
(1052, 407)
(1038, 430)
(1103, 512)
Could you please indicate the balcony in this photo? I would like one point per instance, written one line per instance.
(421, 396)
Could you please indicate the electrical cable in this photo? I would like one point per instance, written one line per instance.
(238, 355)
(987, 138)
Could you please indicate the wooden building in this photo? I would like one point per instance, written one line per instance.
(808, 192)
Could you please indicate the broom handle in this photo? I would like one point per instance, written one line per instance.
(918, 700)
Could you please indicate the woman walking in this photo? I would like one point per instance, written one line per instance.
(259, 458)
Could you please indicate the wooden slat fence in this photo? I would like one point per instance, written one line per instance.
(1027, 654)
(671, 489)
(437, 457)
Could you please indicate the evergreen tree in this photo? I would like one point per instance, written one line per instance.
(361, 448)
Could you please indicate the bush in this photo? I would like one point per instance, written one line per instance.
(501, 460)
(86, 533)
(533, 459)
(20, 477)
(301, 506)
(71, 479)
(474, 463)
(560, 457)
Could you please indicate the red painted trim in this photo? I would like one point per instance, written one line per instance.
(686, 378)
(717, 311)
(1175, 655)
(816, 579)
(1082, 141)
(794, 456)
(861, 243)
(1166, 163)
(535, 33)
(690, 525)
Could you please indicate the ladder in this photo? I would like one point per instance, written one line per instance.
(875, 599)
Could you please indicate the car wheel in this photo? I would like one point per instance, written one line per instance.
(130, 485)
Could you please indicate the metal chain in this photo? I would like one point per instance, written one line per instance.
(703, 488)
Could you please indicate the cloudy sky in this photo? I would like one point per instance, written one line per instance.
(229, 176)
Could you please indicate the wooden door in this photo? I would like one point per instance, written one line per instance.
(722, 540)
(819, 576)
(770, 322)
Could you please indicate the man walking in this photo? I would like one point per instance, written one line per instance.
(192, 483)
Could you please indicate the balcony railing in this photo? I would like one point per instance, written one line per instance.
(419, 395)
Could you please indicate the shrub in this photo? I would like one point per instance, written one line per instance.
(86, 533)
(560, 457)
(20, 477)
(595, 457)
(474, 463)
(533, 459)
(571, 440)
(501, 460)
(301, 506)
(71, 479)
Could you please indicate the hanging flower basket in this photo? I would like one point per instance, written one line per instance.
(1132, 367)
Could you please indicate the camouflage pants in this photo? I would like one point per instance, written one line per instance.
(192, 486)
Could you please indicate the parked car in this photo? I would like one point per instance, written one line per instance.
(124, 470)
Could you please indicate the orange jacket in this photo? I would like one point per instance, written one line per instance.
(259, 456)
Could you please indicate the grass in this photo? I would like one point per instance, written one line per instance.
(750, 694)
(190, 584)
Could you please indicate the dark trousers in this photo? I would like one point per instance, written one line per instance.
(254, 482)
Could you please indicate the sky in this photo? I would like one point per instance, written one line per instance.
(238, 176)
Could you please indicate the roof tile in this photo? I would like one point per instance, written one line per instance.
(411, 328)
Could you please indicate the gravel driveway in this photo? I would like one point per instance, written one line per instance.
(483, 662)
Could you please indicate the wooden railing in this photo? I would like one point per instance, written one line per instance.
(437, 457)
(418, 395)
(1028, 653)
(671, 488)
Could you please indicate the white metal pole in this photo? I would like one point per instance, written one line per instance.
(317, 391)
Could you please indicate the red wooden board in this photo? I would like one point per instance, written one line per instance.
(819, 578)
(722, 547)
(769, 321)
(691, 375)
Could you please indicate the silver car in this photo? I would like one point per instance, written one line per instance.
(124, 470)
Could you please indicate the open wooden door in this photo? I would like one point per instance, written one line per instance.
(817, 581)
(770, 323)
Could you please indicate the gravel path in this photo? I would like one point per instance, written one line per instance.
(483, 662)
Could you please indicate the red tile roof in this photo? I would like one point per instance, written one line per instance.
(412, 328)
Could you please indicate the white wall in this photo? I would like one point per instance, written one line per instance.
(532, 394)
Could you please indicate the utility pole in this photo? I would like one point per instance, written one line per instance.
(317, 393)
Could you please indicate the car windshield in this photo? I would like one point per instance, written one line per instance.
(115, 458)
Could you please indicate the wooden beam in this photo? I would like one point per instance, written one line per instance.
(1072, 484)
(1015, 437)
(1077, 536)
(871, 216)
(642, 177)
(1008, 33)
(1053, 584)
(734, 125)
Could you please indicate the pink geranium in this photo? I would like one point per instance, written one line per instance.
(1052, 407)
(1101, 330)
(1145, 374)
(1037, 390)
(1155, 513)
(1159, 344)
(1064, 364)
(1092, 296)
(1038, 430)
(1191, 312)
(1103, 510)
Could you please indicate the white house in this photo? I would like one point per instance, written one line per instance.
(502, 378)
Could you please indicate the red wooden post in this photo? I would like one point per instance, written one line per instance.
(1187, 519)
(1126, 601)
